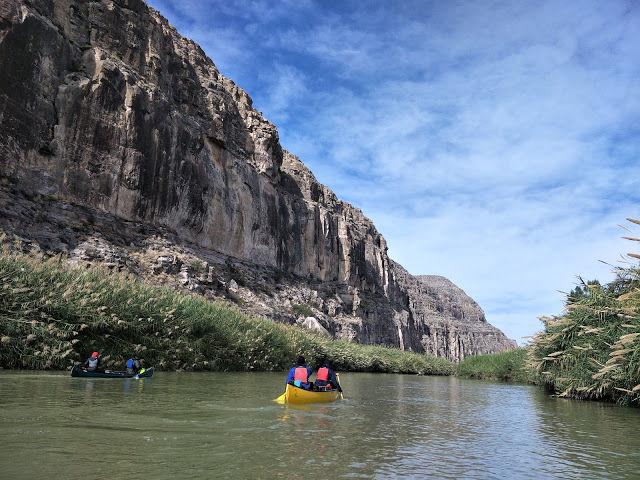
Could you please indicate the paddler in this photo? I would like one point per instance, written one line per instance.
(326, 377)
(133, 365)
(299, 374)
(92, 362)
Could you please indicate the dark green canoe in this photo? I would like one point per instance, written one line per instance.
(79, 371)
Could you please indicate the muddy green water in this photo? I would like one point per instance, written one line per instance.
(200, 426)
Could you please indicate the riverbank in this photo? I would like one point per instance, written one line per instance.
(52, 315)
(592, 351)
(509, 366)
(589, 352)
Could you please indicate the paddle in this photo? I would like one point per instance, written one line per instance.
(281, 398)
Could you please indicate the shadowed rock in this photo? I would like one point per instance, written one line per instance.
(121, 142)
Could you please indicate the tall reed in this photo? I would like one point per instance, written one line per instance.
(592, 350)
(53, 314)
(509, 366)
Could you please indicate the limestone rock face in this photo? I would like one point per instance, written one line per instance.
(446, 321)
(121, 142)
(314, 325)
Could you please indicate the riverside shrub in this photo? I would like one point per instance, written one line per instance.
(53, 315)
(509, 366)
(592, 351)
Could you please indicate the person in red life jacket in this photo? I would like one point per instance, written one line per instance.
(92, 362)
(326, 377)
(300, 374)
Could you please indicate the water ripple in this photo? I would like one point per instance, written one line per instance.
(225, 425)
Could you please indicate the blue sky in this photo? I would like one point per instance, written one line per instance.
(495, 143)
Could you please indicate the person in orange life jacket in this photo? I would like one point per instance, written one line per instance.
(325, 376)
(92, 362)
(300, 374)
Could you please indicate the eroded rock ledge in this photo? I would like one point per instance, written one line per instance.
(121, 142)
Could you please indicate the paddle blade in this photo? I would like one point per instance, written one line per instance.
(281, 399)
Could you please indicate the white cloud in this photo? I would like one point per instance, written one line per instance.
(284, 86)
(491, 142)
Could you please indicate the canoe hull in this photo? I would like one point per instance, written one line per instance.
(78, 371)
(300, 396)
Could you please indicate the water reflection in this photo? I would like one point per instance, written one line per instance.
(88, 389)
(136, 386)
(597, 437)
(388, 426)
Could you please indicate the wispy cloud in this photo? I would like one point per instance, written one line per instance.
(284, 86)
(492, 142)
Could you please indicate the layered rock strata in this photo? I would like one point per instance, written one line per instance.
(121, 142)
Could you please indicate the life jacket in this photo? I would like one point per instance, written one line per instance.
(322, 374)
(301, 374)
(93, 363)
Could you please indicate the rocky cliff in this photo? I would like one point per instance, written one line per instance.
(121, 142)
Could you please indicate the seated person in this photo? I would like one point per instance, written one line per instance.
(300, 374)
(326, 377)
(133, 365)
(92, 362)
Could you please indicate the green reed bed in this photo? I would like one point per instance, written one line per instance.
(53, 315)
(593, 350)
(509, 366)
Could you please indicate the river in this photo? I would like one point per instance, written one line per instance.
(224, 425)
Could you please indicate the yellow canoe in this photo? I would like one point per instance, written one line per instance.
(299, 396)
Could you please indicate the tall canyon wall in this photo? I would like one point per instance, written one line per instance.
(121, 142)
